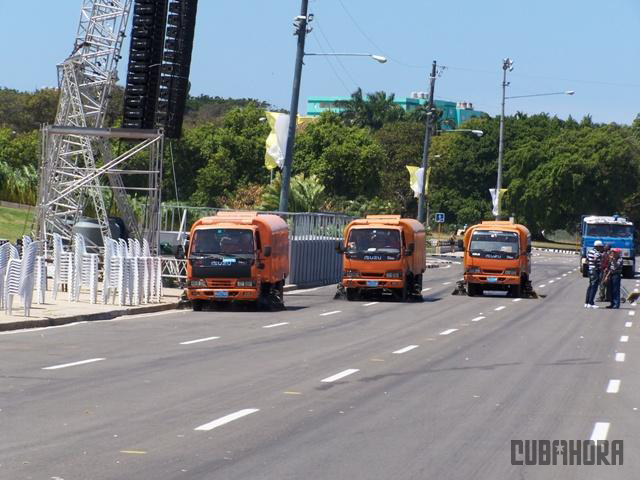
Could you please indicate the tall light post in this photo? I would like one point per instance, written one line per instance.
(507, 64)
(425, 147)
(300, 23)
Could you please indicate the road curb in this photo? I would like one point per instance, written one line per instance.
(89, 317)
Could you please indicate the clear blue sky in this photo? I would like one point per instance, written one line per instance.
(244, 48)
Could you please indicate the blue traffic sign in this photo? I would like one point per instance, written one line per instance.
(439, 217)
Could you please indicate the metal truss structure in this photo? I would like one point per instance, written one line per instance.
(76, 164)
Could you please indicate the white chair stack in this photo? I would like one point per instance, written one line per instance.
(19, 278)
(155, 273)
(7, 252)
(85, 270)
(62, 267)
(115, 273)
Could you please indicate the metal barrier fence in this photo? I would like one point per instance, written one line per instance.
(312, 241)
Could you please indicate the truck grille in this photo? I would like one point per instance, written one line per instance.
(372, 274)
(219, 282)
(492, 271)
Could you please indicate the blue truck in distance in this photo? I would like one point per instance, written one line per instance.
(615, 231)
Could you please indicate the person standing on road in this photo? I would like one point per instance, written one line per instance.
(594, 257)
(615, 275)
(605, 293)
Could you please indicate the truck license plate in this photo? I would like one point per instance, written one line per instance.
(492, 279)
(372, 283)
(221, 294)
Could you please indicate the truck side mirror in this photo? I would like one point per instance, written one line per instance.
(185, 249)
(339, 247)
(267, 251)
(409, 250)
(528, 248)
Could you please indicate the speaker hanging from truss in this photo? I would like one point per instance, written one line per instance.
(159, 64)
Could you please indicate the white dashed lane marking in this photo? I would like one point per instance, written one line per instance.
(624, 338)
(501, 307)
(273, 325)
(198, 340)
(340, 375)
(477, 319)
(330, 313)
(226, 419)
(449, 331)
(406, 349)
(614, 386)
(73, 364)
(620, 357)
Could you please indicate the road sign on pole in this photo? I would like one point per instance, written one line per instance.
(439, 217)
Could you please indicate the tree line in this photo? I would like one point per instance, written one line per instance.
(355, 162)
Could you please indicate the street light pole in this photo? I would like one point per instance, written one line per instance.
(425, 147)
(507, 64)
(301, 32)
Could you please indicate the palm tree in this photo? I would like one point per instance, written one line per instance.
(373, 112)
(306, 194)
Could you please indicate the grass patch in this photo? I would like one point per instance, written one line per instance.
(559, 246)
(15, 222)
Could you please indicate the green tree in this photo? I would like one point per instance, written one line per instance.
(346, 159)
(306, 194)
(374, 111)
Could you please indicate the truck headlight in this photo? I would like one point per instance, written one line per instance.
(394, 274)
(473, 270)
(246, 283)
(511, 271)
(197, 283)
(351, 273)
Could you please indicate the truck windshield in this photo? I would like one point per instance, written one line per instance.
(494, 244)
(222, 241)
(609, 230)
(382, 240)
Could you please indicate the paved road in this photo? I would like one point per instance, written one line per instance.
(327, 389)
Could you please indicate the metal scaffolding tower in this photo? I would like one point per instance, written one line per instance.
(76, 154)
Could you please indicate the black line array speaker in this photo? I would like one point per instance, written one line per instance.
(173, 85)
(145, 62)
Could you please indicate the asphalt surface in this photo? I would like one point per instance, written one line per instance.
(330, 390)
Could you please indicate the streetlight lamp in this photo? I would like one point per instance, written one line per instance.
(507, 64)
(377, 58)
(301, 25)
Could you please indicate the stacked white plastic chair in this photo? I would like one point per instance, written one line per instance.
(128, 267)
(19, 278)
(85, 270)
(155, 273)
(138, 271)
(40, 271)
(7, 252)
(62, 267)
(115, 273)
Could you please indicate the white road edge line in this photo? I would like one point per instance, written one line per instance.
(198, 340)
(340, 375)
(406, 349)
(501, 307)
(447, 283)
(624, 338)
(449, 331)
(614, 386)
(426, 289)
(600, 430)
(273, 325)
(295, 292)
(32, 330)
(73, 364)
(542, 286)
(477, 319)
(370, 303)
(226, 419)
(330, 313)
(620, 357)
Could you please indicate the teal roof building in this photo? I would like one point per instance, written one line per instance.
(455, 112)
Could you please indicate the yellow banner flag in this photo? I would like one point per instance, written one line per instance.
(416, 178)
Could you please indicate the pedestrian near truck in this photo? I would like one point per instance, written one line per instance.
(615, 274)
(594, 259)
(605, 293)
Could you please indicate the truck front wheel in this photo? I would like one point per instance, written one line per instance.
(627, 271)
(352, 294)
(197, 305)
